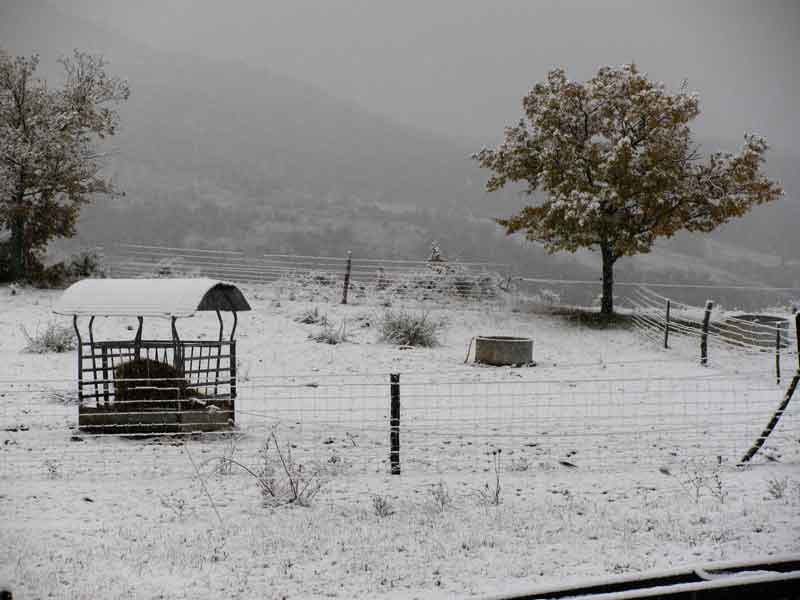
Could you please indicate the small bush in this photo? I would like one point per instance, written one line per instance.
(592, 319)
(53, 277)
(330, 335)
(777, 487)
(281, 480)
(406, 329)
(519, 464)
(284, 481)
(225, 464)
(440, 497)
(54, 338)
(548, 297)
(492, 494)
(312, 317)
(65, 273)
(382, 506)
(697, 477)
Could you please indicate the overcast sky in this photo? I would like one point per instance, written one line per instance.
(460, 67)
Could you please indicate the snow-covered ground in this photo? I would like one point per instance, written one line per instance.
(612, 456)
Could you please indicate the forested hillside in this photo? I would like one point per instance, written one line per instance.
(223, 155)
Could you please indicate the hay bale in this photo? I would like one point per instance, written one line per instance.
(144, 384)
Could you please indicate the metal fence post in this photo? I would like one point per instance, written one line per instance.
(347, 276)
(80, 358)
(394, 423)
(704, 336)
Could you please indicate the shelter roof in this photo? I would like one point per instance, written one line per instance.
(149, 297)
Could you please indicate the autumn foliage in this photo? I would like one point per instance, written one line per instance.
(49, 161)
(619, 167)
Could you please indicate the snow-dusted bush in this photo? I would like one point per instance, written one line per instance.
(330, 334)
(440, 498)
(548, 297)
(438, 282)
(312, 317)
(491, 494)
(53, 338)
(382, 506)
(281, 480)
(408, 329)
(443, 281)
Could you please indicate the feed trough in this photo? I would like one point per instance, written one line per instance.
(147, 386)
(501, 350)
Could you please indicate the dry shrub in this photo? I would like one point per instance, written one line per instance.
(312, 317)
(53, 338)
(407, 329)
(329, 334)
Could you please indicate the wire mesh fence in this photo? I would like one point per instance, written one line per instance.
(765, 344)
(365, 280)
(445, 425)
(323, 278)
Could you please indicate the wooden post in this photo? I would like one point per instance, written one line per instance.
(137, 342)
(347, 276)
(666, 327)
(177, 349)
(797, 336)
(778, 354)
(776, 416)
(704, 336)
(773, 421)
(394, 423)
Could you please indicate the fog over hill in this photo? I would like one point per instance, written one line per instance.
(227, 153)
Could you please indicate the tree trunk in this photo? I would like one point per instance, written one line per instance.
(17, 257)
(607, 302)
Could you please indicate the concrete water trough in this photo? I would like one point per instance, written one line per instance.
(502, 350)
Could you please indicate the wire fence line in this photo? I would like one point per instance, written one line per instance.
(444, 425)
(374, 280)
(321, 277)
(716, 337)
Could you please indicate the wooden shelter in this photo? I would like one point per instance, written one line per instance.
(151, 386)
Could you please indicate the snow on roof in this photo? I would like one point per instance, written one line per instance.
(149, 297)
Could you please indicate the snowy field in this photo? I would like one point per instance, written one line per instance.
(611, 454)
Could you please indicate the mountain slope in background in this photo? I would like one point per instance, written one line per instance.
(219, 154)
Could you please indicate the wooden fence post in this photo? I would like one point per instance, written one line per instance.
(776, 416)
(347, 276)
(777, 354)
(394, 423)
(704, 335)
(666, 327)
(797, 336)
